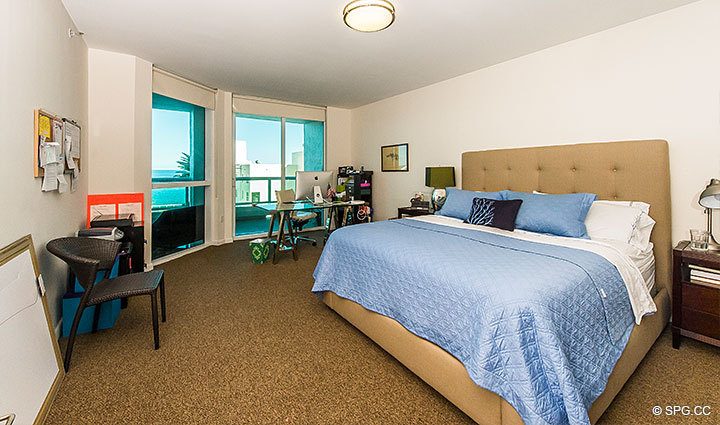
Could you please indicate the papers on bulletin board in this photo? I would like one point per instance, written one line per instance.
(58, 152)
(50, 179)
(68, 154)
(49, 153)
(72, 138)
(44, 127)
(62, 183)
(57, 131)
(74, 180)
(70, 162)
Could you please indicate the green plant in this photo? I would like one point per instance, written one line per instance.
(183, 165)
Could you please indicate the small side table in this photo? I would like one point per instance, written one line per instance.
(413, 211)
(696, 304)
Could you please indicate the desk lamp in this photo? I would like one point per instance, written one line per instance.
(439, 178)
(710, 199)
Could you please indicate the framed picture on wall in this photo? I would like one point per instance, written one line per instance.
(394, 157)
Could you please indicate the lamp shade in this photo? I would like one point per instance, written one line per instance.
(710, 197)
(440, 177)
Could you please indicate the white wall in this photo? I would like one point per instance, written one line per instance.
(111, 104)
(40, 67)
(339, 136)
(120, 123)
(656, 78)
(224, 176)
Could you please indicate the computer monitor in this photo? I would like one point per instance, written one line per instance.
(305, 181)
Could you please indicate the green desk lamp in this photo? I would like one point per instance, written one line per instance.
(439, 178)
(710, 199)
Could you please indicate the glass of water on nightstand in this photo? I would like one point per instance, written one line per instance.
(699, 239)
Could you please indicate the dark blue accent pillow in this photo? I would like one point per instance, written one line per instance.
(561, 215)
(458, 203)
(494, 213)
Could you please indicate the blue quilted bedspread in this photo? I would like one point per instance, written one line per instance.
(540, 325)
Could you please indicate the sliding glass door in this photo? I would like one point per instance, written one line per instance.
(258, 146)
(268, 152)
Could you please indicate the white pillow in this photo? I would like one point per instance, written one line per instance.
(624, 221)
(612, 221)
(641, 236)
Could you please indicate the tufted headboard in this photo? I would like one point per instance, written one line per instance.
(622, 171)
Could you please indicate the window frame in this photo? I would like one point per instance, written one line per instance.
(207, 132)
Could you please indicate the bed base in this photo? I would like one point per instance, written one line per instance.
(448, 376)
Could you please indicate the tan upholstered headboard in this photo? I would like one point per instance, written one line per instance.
(622, 171)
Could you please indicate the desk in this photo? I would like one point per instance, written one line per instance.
(284, 211)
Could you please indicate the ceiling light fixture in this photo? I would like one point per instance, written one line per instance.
(369, 15)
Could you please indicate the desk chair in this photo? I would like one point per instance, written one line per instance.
(88, 256)
(298, 219)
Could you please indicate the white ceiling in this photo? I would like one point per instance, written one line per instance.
(300, 50)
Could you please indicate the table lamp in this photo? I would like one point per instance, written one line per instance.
(439, 178)
(710, 199)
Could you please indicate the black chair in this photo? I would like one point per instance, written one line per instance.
(88, 256)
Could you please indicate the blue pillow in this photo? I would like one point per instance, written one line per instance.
(458, 203)
(561, 215)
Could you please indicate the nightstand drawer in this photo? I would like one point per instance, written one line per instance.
(702, 323)
(701, 298)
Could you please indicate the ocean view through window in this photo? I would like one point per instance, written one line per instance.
(178, 174)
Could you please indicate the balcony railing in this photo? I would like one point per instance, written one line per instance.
(268, 193)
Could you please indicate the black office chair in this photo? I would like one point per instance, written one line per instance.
(88, 256)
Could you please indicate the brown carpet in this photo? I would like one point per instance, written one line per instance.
(249, 343)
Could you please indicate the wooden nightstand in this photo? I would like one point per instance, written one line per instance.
(696, 305)
(413, 211)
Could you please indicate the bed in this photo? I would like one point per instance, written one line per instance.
(636, 170)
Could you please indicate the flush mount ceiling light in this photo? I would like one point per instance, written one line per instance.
(369, 15)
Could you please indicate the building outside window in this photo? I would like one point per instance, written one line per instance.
(261, 168)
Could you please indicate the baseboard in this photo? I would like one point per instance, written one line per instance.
(221, 242)
(182, 253)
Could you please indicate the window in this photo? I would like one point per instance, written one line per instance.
(261, 168)
(178, 175)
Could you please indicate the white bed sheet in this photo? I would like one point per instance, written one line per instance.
(626, 262)
(644, 260)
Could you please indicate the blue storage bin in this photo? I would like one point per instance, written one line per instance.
(113, 273)
(108, 313)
